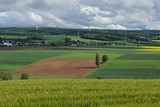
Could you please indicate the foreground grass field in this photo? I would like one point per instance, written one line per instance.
(80, 93)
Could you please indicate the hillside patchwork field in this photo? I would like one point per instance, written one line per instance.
(123, 63)
(66, 77)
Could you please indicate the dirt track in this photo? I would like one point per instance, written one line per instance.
(60, 67)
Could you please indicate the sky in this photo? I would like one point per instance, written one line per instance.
(96, 14)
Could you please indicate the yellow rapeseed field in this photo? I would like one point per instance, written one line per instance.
(154, 48)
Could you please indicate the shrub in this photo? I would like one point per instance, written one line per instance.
(101, 78)
(24, 76)
(97, 60)
(104, 59)
(53, 44)
(6, 76)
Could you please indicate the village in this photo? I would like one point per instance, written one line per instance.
(41, 42)
(11, 43)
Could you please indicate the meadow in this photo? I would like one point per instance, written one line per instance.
(80, 93)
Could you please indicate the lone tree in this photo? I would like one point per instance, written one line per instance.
(104, 59)
(97, 60)
(24, 76)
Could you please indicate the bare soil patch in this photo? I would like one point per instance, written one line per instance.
(60, 67)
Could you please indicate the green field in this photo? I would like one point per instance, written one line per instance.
(80, 93)
(13, 37)
(123, 63)
(123, 86)
(13, 60)
(135, 64)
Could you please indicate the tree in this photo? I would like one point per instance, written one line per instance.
(6, 76)
(97, 60)
(67, 40)
(24, 76)
(1, 38)
(104, 59)
(53, 44)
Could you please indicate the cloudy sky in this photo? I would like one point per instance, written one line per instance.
(106, 14)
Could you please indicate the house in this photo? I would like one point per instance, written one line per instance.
(8, 44)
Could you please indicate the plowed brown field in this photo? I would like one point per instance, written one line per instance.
(60, 67)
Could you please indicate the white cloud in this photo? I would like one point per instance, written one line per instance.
(103, 20)
(154, 26)
(116, 27)
(111, 14)
(3, 14)
(94, 11)
(35, 17)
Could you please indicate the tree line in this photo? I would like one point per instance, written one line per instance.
(73, 32)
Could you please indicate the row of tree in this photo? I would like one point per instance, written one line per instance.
(103, 37)
(110, 37)
(9, 76)
(97, 60)
(68, 31)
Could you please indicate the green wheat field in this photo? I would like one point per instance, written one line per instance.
(80, 93)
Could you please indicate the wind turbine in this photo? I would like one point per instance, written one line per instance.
(89, 24)
(74, 5)
(89, 19)
(37, 25)
(78, 32)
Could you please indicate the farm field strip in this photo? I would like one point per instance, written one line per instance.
(13, 60)
(21, 58)
(59, 67)
(152, 48)
(137, 64)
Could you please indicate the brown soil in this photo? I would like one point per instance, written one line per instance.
(60, 67)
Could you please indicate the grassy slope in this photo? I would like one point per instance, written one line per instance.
(80, 93)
